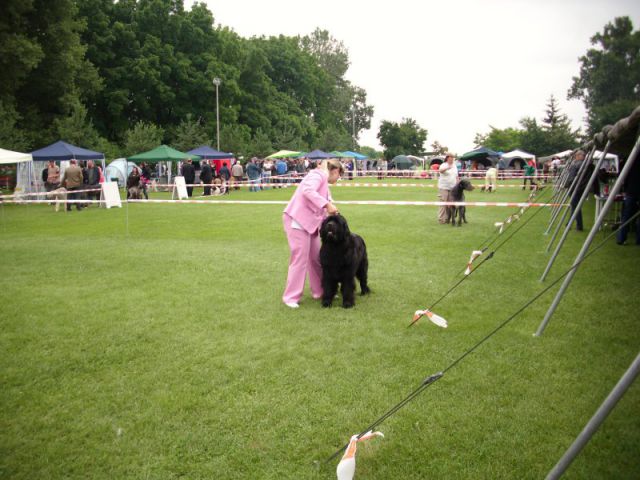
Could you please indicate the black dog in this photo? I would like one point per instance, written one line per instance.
(457, 195)
(343, 256)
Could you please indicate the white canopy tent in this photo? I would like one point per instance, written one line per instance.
(25, 175)
(517, 156)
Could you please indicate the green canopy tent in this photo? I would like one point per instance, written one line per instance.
(284, 154)
(483, 155)
(163, 153)
(403, 162)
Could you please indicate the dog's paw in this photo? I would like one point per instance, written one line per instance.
(326, 303)
(348, 304)
(365, 291)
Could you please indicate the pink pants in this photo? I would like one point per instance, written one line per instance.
(305, 257)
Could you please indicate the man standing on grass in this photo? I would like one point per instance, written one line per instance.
(237, 172)
(72, 180)
(189, 174)
(447, 180)
(206, 177)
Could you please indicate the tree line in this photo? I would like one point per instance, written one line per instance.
(122, 77)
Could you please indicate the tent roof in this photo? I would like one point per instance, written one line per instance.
(162, 153)
(284, 154)
(518, 154)
(65, 151)
(356, 155)
(7, 156)
(208, 153)
(318, 154)
(479, 152)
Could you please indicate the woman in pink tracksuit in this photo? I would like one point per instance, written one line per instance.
(302, 218)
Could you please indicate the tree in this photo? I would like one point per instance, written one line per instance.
(190, 134)
(43, 69)
(370, 152)
(500, 140)
(142, 137)
(609, 80)
(401, 138)
(12, 137)
(331, 54)
(438, 149)
(560, 135)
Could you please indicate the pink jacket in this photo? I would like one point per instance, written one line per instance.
(307, 204)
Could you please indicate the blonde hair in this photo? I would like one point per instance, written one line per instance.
(332, 164)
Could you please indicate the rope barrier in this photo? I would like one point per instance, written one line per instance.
(433, 378)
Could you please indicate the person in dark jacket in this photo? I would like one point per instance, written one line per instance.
(93, 181)
(225, 175)
(631, 203)
(189, 174)
(206, 177)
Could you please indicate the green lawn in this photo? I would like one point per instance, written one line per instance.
(151, 342)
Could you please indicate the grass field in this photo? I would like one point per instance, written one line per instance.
(151, 342)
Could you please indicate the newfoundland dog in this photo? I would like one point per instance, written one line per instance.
(343, 256)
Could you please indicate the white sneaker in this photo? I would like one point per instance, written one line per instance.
(292, 305)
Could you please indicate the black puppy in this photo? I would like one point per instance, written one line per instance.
(457, 195)
(343, 256)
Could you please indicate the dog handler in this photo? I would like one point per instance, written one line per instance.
(302, 218)
(447, 180)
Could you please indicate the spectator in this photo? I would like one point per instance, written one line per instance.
(253, 172)
(133, 181)
(189, 174)
(446, 181)
(237, 172)
(631, 203)
(51, 176)
(579, 189)
(225, 175)
(281, 171)
(206, 176)
(529, 174)
(73, 180)
(93, 180)
(302, 218)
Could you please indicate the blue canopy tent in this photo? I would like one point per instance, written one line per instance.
(318, 155)
(356, 155)
(62, 151)
(208, 153)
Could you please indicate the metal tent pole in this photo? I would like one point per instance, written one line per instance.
(594, 230)
(568, 194)
(567, 229)
(594, 424)
(558, 191)
(561, 199)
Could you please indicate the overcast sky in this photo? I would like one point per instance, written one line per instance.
(454, 66)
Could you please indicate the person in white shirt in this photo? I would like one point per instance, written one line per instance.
(447, 180)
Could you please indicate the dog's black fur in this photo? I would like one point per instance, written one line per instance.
(343, 256)
(457, 195)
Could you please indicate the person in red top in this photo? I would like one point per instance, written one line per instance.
(302, 218)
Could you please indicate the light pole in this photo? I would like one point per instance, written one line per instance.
(353, 121)
(216, 82)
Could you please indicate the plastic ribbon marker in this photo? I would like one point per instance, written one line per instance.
(475, 254)
(347, 467)
(436, 319)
